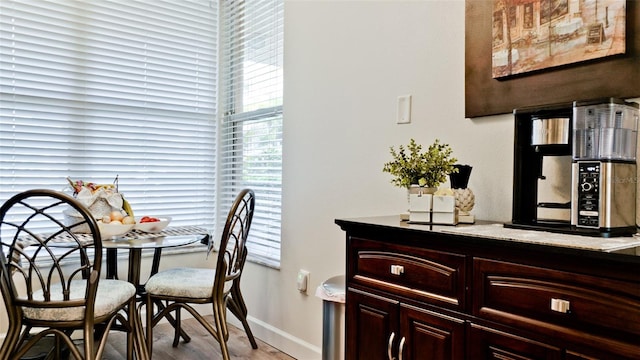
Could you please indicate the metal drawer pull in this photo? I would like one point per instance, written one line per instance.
(397, 269)
(559, 305)
(389, 354)
(401, 348)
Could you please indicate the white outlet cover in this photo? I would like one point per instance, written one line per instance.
(302, 281)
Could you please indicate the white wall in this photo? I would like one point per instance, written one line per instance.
(346, 62)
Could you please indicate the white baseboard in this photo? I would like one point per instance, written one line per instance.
(279, 339)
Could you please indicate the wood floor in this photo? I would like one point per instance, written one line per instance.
(201, 346)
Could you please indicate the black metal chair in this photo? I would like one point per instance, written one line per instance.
(50, 280)
(180, 288)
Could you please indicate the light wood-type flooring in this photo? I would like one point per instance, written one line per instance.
(202, 345)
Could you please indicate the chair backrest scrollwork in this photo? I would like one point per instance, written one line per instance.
(41, 256)
(232, 250)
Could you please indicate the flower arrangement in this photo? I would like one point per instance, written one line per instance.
(427, 169)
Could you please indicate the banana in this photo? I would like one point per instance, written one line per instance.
(106, 186)
(127, 207)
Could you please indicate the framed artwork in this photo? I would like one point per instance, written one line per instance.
(530, 35)
(521, 53)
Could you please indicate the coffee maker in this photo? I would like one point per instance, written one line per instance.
(575, 168)
(604, 166)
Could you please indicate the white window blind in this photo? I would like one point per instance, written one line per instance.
(251, 104)
(95, 89)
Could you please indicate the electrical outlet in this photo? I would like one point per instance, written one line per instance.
(303, 280)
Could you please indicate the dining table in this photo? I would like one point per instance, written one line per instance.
(135, 241)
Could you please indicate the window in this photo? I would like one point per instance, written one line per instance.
(98, 89)
(251, 128)
(92, 90)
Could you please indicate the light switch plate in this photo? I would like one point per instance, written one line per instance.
(404, 109)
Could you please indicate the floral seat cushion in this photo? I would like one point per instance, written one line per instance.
(182, 282)
(111, 295)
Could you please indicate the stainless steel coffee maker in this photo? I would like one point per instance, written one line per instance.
(575, 168)
(604, 176)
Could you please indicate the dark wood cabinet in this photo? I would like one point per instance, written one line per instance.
(408, 330)
(430, 335)
(415, 292)
(374, 320)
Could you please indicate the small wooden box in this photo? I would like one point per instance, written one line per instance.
(420, 202)
(444, 210)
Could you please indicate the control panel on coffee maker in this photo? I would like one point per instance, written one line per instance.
(588, 194)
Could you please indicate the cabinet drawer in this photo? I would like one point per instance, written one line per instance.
(425, 275)
(488, 343)
(533, 297)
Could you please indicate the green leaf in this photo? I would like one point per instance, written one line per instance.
(428, 169)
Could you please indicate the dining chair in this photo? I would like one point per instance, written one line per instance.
(184, 287)
(237, 305)
(51, 285)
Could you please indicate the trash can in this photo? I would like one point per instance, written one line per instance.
(332, 292)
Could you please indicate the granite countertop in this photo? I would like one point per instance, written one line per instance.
(499, 232)
(496, 231)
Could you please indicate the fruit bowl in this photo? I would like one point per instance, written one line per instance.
(109, 230)
(153, 226)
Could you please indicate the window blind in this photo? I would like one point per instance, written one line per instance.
(98, 89)
(251, 130)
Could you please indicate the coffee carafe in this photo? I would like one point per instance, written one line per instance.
(604, 172)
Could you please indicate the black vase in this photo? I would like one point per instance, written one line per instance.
(460, 180)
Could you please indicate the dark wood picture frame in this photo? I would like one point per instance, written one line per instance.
(615, 76)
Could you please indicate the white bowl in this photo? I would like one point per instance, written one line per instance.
(109, 230)
(153, 227)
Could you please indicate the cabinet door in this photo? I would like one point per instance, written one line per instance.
(490, 344)
(429, 335)
(371, 325)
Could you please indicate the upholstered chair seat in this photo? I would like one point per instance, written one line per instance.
(182, 282)
(111, 295)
